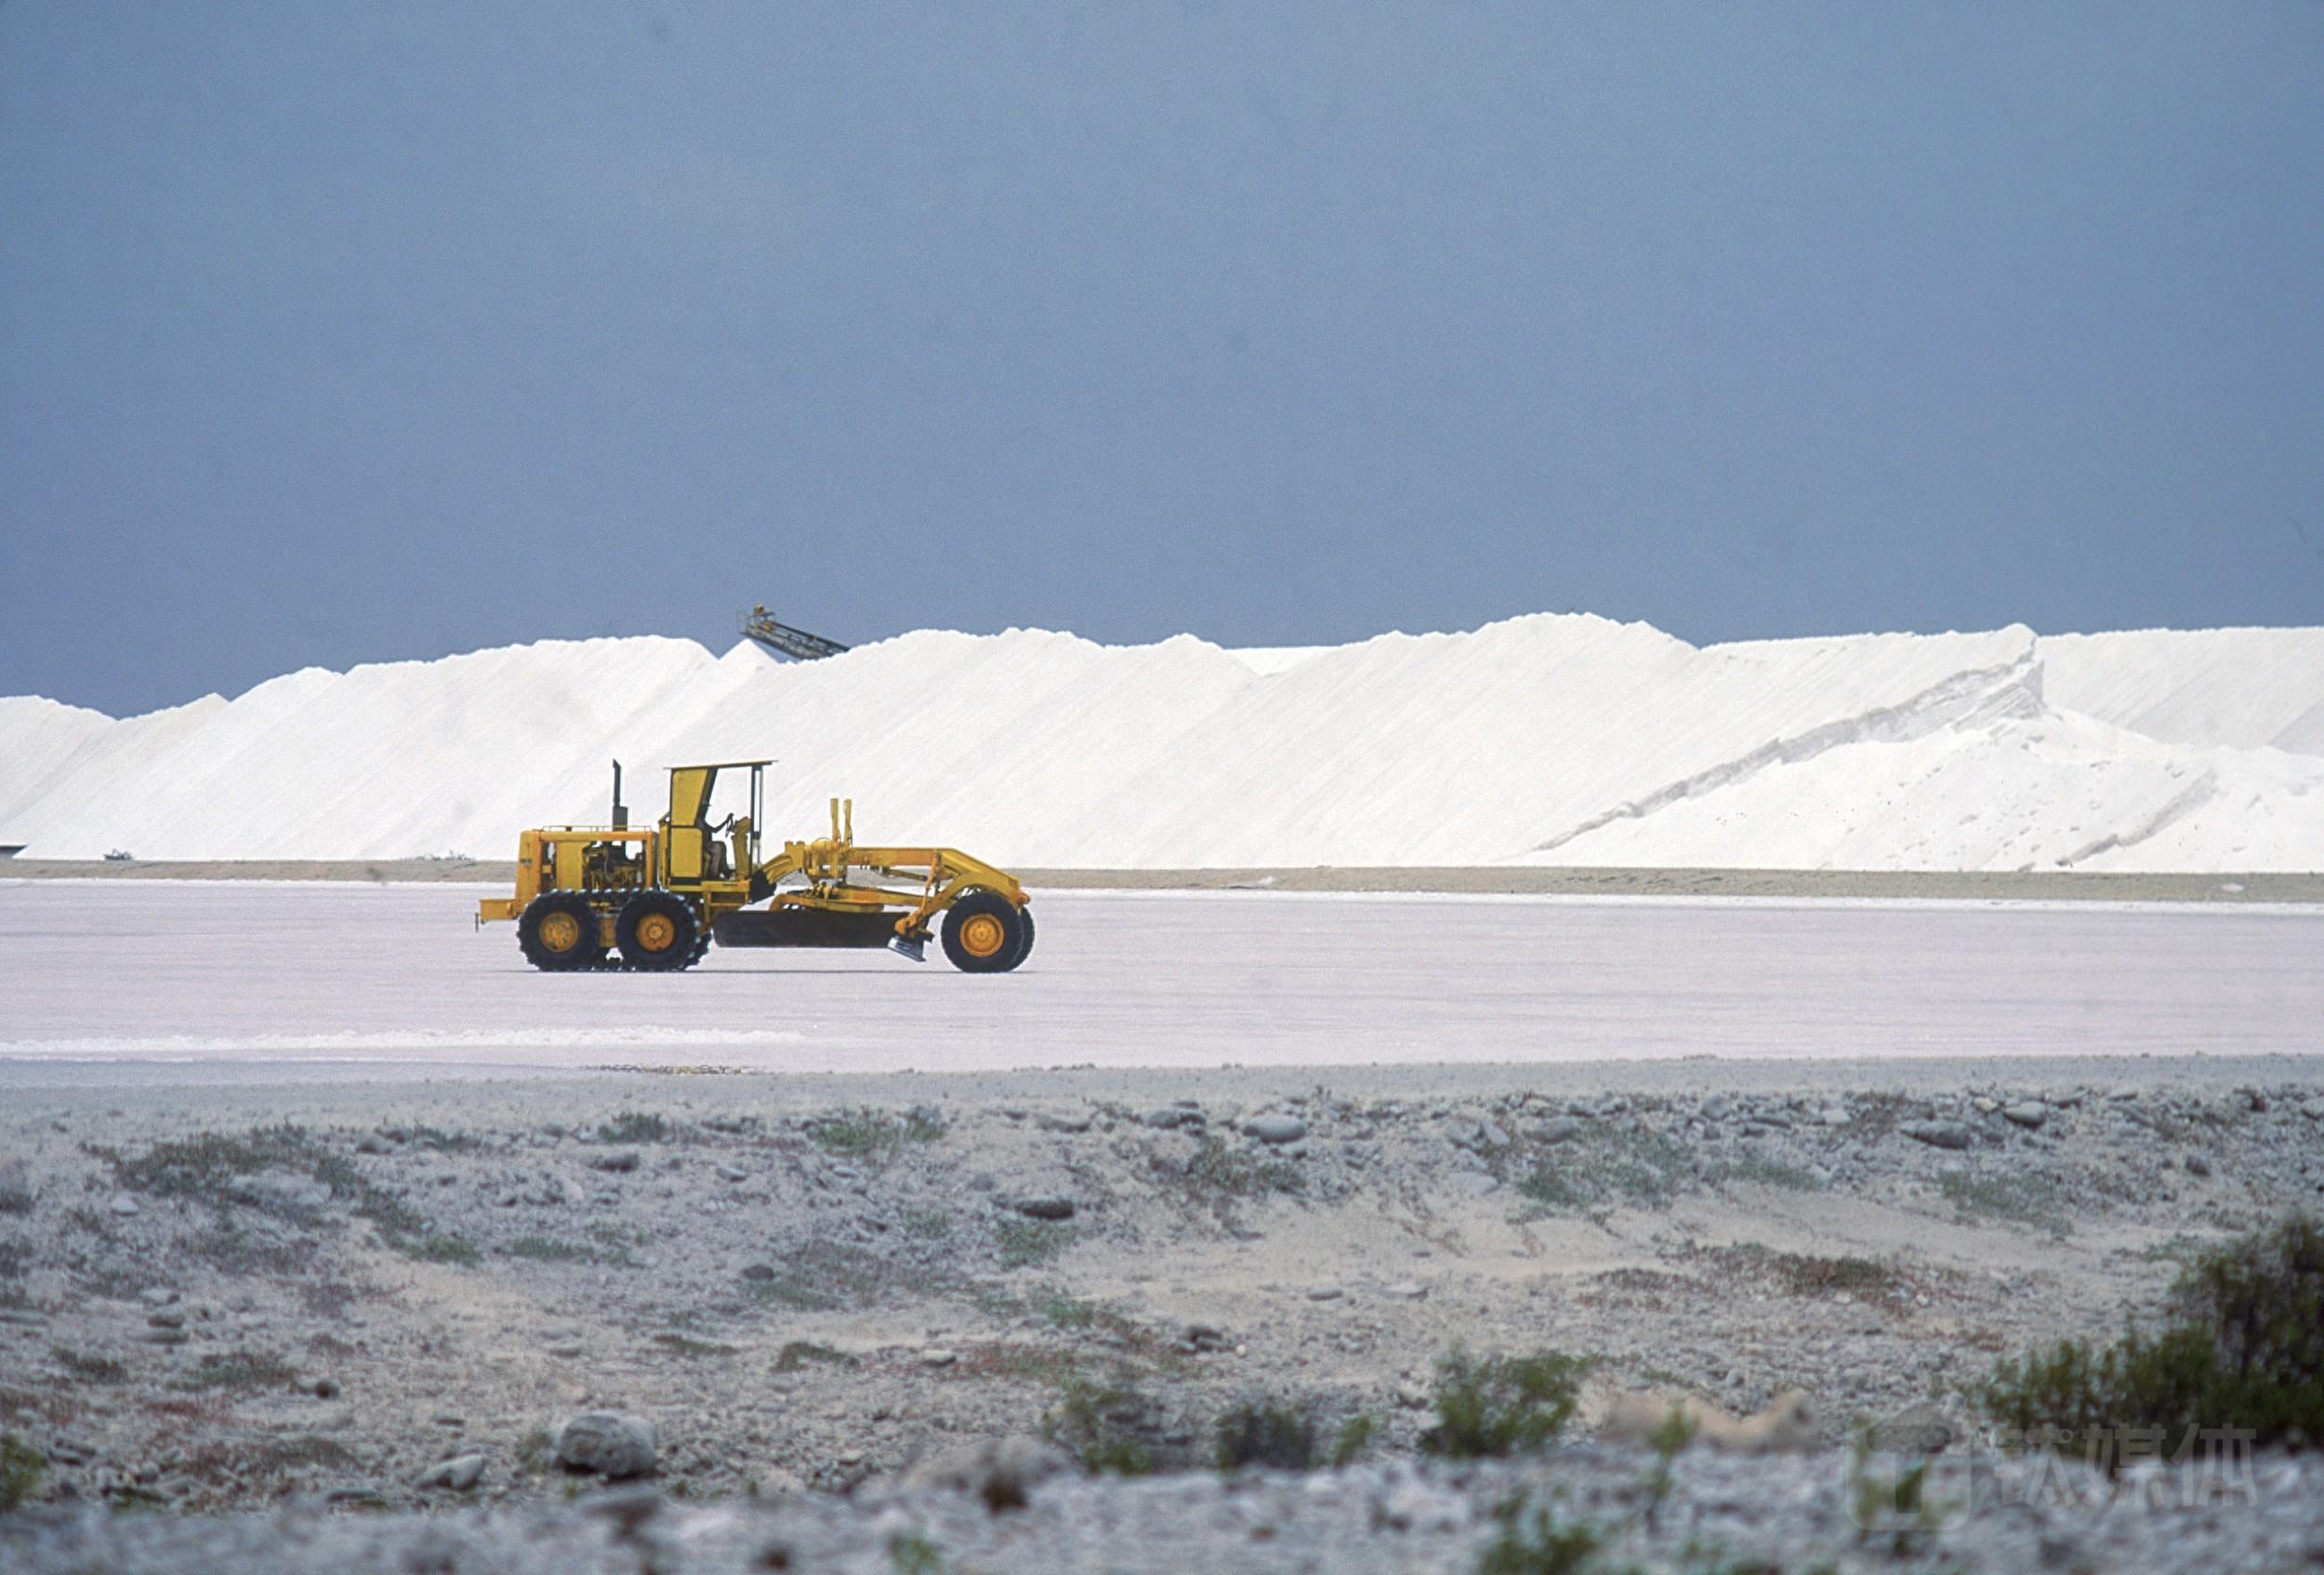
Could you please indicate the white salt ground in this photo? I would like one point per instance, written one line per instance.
(285, 975)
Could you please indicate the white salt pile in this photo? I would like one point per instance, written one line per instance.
(1550, 739)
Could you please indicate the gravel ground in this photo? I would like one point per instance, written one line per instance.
(1722, 1513)
(395, 1297)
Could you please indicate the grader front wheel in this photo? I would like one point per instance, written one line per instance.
(659, 934)
(985, 933)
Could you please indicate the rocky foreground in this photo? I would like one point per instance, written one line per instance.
(791, 1309)
(1581, 1509)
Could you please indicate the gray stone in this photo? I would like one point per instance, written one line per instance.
(1559, 1129)
(1325, 1293)
(1044, 1207)
(2197, 1166)
(619, 1159)
(123, 1205)
(1938, 1134)
(1405, 1291)
(459, 1473)
(613, 1444)
(1275, 1127)
(1076, 1123)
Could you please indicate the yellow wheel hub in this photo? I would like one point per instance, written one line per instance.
(560, 932)
(982, 935)
(656, 931)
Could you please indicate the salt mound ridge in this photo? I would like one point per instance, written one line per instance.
(1553, 739)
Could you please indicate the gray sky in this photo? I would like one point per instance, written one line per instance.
(341, 333)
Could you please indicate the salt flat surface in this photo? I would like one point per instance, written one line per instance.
(1565, 739)
(307, 976)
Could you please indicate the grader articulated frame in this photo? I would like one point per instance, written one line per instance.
(654, 898)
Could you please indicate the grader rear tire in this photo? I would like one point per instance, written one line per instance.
(657, 933)
(985, 933)
(557, 934)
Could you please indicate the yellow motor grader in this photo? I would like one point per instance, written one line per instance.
(654, 898)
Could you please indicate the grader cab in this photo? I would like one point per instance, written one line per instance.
(654, 898)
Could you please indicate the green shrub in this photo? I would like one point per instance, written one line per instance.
(2245, 1349)
(1263, 1433)
(796, 1354)
(1110, 1427)
(874, 1135)
(1540, 1544)
(1026, 1242)
(634, 1127)
(240, 1369)
(1492, 1405)
(1356, 1437)
(21, 1468)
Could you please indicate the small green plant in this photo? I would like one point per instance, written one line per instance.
(1899, 1504)
(1223, 1170)
(874, 1135)
(912, 1554)
(1357, 1435)
(2245, 1350)
(1026, 1242)
(549, 1250)
(1676, 1432)
(1110, 1428)
(1265, 1433)
(1540, 1544)
(1757, 1169)
(1068, 1312)
(88, 1368)
(1551, 1188)
(798, 1353)
(21, 1469)
(1608, 1166)
(634, 1127)
(440, 1142)
(428, 1247)
(240, 1370)
(537, 1451)
(926, 1225)
(687, 1345)
(819, 1276)
(1493, 1405)
(2025, 1198)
